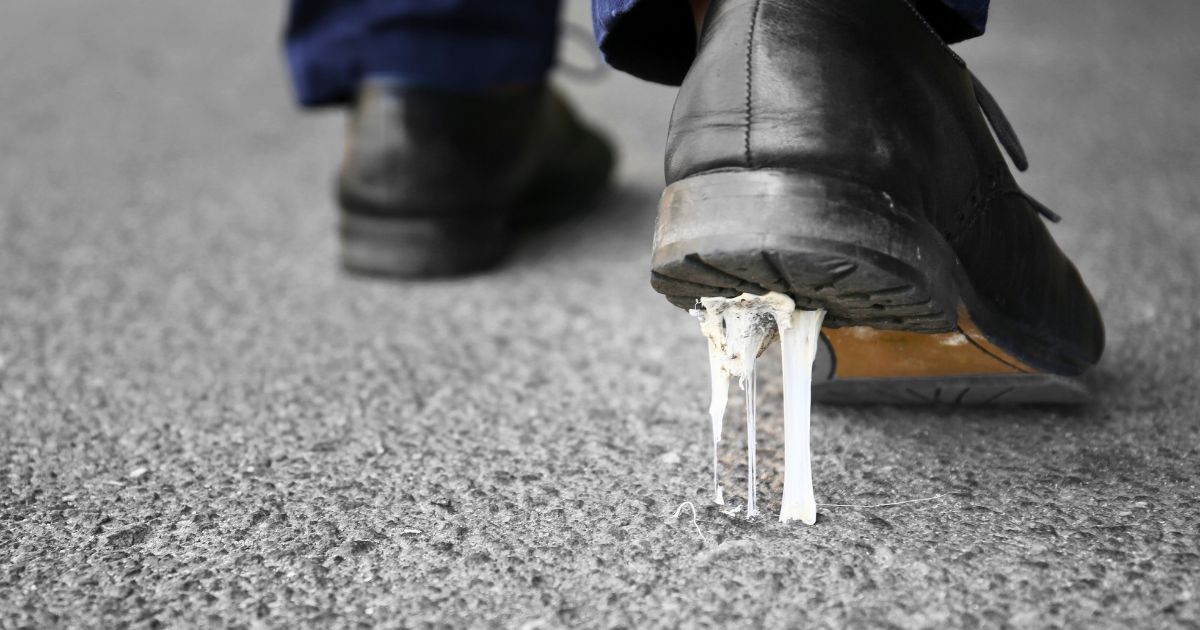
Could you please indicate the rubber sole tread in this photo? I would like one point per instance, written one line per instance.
(848, 290)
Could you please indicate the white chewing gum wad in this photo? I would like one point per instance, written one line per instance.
(738, 330)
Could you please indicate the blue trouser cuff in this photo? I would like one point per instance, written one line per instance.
(474, 45)
(462, 45)
(656, 39)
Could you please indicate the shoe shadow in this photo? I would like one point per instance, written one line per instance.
(874, 454)
(615, 226)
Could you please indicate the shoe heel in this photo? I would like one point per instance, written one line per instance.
(420, 247)
(825, 242)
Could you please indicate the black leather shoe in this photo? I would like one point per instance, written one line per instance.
(435, 183)
(840, 152)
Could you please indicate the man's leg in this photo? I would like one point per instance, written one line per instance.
(838, 152)
(455, 139)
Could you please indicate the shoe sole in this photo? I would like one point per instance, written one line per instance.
(903, 323)
(419, 247)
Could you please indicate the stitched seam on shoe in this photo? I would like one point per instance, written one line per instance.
(750, 79)
(933, 31)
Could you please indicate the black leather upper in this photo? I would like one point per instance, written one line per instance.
(866, 91)
(422, 153)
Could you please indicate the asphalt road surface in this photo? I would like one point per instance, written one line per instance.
(204, 423)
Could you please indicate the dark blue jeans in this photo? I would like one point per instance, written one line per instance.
(474, 45)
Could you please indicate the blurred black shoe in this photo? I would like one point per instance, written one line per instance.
(840, 153)
(435, 183)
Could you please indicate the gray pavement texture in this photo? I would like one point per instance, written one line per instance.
(204, 423)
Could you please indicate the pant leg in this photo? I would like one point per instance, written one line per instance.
(656, 40)
(322, 42)
(464, 45)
